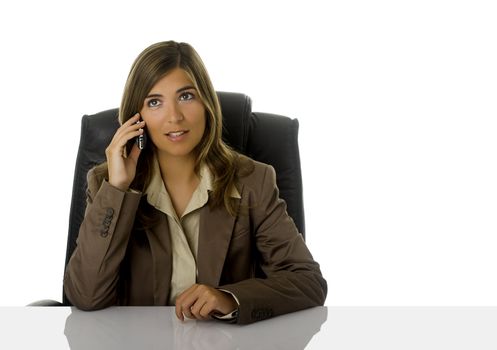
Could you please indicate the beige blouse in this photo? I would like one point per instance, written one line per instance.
(185, 229)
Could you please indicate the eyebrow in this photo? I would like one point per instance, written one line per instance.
(188, 87)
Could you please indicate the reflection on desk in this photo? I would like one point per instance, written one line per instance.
(149, 328)
(158, 327)
(319, 328)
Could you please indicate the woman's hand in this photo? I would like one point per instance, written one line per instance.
(122, 169)
(200, 301)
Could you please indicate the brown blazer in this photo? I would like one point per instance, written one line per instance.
(258, 255)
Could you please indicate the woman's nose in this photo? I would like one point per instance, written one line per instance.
(174, 114)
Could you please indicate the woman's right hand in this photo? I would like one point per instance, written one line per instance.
(122, 168)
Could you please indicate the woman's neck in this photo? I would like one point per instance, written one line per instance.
(177, 170)
(178, 174)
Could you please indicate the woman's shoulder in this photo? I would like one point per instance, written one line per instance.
(253, 173)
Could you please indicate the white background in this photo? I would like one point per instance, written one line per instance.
(396, 102)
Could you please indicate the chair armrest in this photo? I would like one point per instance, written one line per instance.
(45, 302)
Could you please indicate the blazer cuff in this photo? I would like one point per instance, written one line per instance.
(230, 316)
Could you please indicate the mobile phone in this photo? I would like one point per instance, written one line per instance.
(141, 140)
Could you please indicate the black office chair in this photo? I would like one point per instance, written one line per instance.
(268, 138)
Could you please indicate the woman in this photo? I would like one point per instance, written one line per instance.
(186, 221)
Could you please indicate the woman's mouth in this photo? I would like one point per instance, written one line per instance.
(177, 135)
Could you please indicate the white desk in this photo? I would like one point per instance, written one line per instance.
(318, 328)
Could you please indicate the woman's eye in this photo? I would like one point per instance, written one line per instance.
(186, 96)
(153, 103)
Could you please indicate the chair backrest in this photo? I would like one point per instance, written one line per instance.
(268, 138)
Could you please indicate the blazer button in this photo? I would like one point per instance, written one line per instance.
(261, 314)
(108, 218)
(104, 233)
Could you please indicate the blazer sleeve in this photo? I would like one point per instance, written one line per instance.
(293, 279)
(92, 273)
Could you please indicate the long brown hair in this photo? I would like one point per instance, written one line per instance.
(150, 66)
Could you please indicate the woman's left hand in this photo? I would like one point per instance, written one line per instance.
(200, 301)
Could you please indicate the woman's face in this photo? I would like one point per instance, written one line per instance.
(174, 115)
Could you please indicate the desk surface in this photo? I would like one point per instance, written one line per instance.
(317, 328)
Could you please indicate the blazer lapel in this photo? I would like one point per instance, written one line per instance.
(215, 231)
